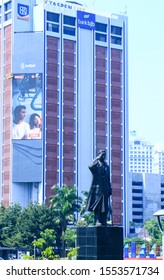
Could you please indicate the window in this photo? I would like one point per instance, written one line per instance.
(7, 6)
(116, 30)
(136, 183)
(116, 40)
(137, 205)
(7, 9)
(102, 34)
(132, 230)
(101, 27)
(138, 221)
(52, 17)
(137, 213)
(69, 26)
(137, 198)
(137, 191)
(69, 30)
(69, 20)
(100, 37)
(7, 16)
(52, 27)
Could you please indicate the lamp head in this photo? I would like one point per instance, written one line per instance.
(159, 214)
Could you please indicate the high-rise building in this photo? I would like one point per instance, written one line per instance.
(159, 159)
(141, 155)
(64, 96)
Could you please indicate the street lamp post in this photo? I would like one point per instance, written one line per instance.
(160, 214)
(34, 248)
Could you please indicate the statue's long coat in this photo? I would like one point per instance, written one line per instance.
(100, 190)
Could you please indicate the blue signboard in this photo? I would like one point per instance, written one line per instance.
(85, 20)
(23, 11)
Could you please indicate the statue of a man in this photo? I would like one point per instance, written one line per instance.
(100, 191)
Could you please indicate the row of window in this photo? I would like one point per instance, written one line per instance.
(137, 205)
(139, 152)
(140, 221)
(7, 7)
(140, 147)
(140, 171)
(7, 16)
(137, 191)
(137, 183)
(69, 28)
(137, 198)
(136, 213)
(7, 11)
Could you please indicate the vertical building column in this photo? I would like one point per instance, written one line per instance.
(68, 112)
(52, 118)
(116, 135)
(85, 106)
(101, 98)
(7, 99)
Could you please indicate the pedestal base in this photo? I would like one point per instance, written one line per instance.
(100, 243)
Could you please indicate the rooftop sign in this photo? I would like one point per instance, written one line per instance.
(64, 5)
(86, 20)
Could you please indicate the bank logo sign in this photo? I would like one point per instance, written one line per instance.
(85, 20)
(23, 11)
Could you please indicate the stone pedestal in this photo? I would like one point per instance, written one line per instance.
(100, 243)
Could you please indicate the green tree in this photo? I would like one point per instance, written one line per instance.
(65, 203)
(86, 218)
(9, 226)
(48, 254)
(151, 225)
(69, 237)
(35, 219)
(45, 244)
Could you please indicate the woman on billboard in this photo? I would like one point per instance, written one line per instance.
(35, 127)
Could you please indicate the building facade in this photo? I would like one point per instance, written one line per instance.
(159, 159)
(68, 65)
(146, 196)
(141, 155)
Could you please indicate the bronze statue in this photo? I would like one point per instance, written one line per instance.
(100, 191)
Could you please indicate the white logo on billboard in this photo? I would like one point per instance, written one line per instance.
(86, 16)
(23, 11)
(24, 65)
(86, 22)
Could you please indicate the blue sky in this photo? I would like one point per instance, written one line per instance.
(146, 63)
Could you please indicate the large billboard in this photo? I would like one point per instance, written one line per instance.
(28, 53)
(27, 106)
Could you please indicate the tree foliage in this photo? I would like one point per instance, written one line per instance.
(153, 230)
(9, 226)
(19, 226)
(87, 218)
(35, 219)
(65, 203)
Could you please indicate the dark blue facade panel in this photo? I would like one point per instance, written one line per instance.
(27, 161)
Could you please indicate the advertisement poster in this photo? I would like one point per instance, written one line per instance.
(27, 106)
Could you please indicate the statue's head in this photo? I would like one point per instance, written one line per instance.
(102, 154)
